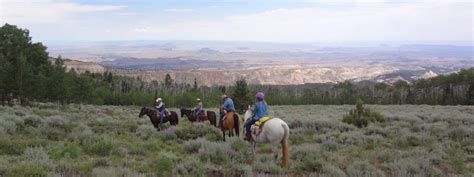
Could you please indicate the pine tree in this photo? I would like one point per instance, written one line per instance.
(241, 95)
(168, 81)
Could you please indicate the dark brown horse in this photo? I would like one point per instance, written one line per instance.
(155, 120)
(211, 116)
(231, 124)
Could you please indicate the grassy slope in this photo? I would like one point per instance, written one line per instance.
(111, 141)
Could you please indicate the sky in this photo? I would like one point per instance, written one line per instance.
(243, 20)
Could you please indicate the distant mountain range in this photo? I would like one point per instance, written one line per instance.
(221, 63)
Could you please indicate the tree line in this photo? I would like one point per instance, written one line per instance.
(28, 74)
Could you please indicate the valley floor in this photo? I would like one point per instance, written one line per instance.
(88, 140)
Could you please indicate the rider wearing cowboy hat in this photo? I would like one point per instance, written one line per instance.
(160, 107)
(228, 106)
(198, 109)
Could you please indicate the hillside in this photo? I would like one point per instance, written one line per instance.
(90, 140)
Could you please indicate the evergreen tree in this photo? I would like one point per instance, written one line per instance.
(168, 81)
(241, 95)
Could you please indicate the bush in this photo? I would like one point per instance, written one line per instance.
(363, 169)
(193, 146)
(456, 156)
(329, 170)
(162, 165)
(69, 151)
(7, 127)
(4, 166)
(81, 134)
(147, 131)
(38, 156)
(361, 116)
(266, 165)
(191, 166)
(27, 170)
(33, 121)
(307, 158)
(189, 131)
(100, 147)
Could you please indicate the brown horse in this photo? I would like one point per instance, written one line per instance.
(231, 124)
(155, 120)
(211, 116)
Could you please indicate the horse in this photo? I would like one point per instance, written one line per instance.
(155, 120)
(274, 131)
(211, 116)
(231, 124)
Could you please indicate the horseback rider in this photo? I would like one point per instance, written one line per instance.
(228, 106)
(198, 109)
(260, 110)
(160, 108)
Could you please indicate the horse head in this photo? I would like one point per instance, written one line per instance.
(247, 115)
(142, 112)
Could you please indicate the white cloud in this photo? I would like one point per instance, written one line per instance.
(46, 11)
(433, 20)
(141, 30)
(178, 10)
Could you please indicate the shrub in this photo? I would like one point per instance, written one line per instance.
(189, 131)
(27, 170)
(99, 147)
(113, 171)
(455, 156)
(56, 122)
(239, 170)
(191, 166)
(361, 116)
(4, 166)
(33, 121)
(145, 132)
(71, 150)
(38, 156)
(329, 170)
(267, 165)
(81, 134)
(7, 127)
(168, 134)
(193, 146)
(329, 145)
(363, 169)
(162, 165)
(307, 158)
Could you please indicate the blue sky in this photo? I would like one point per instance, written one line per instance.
(243, 20)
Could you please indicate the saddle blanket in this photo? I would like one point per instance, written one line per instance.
(262, 120)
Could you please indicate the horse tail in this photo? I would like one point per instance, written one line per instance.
(284, 144)
(236, 124)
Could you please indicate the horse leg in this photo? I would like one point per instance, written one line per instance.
(275, 151)
(223, 135)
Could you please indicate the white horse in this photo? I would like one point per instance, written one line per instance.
(274, 131)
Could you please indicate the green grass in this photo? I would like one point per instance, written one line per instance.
(88, 140)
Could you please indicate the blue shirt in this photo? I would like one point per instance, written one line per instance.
(261, 110)
(229, 105)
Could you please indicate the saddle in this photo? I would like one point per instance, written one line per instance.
(257, 126)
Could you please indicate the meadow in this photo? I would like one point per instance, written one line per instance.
(87, 140)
